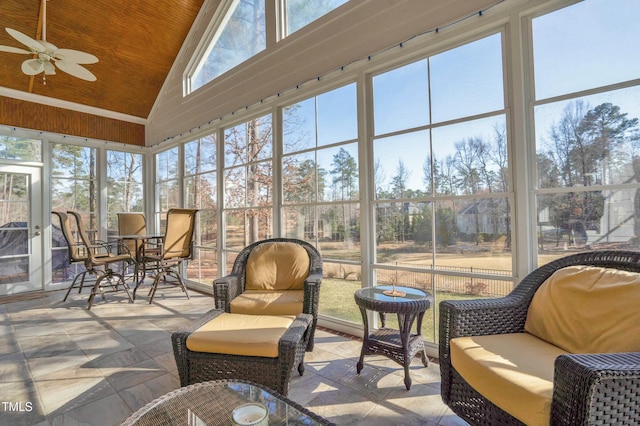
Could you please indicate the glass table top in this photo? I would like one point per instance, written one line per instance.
(378, 293)
(212, 403)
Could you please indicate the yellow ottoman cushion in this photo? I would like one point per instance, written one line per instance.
(268, 302)
(238, 334)
(514, 371)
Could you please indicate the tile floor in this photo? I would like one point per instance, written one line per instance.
(63, 365)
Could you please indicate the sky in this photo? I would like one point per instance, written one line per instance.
(590, 44)
(587, 45)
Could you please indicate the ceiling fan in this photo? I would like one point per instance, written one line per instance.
(47, 54)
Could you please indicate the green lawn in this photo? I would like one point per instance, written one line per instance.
(336, 300)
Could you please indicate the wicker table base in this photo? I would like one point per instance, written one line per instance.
(398, 345)
(211, 403)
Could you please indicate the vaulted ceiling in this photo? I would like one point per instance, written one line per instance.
(136, 42)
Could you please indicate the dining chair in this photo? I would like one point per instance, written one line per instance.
(102, 254)
(76, 252)
(132, 232)
(132, 224)
(175, 248)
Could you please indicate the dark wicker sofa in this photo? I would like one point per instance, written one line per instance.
(588, 389)
(227, 288)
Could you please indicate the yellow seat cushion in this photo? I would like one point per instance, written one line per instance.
(237, 334)
(268, 302)
(514, 371)
(587, 309)
(277, 266)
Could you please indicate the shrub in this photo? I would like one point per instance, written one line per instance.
(474, 288)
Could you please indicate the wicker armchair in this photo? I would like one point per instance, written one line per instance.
(227, 288)
(587, 388)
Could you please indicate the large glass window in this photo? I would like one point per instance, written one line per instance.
(586, 111)
(320, 187)
(125, 189)
(167, 184)
(201, 193)
(440, 175)
(74, 186)
(240, 37)
(248, 184)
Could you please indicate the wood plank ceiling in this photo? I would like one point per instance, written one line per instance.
(136, 42)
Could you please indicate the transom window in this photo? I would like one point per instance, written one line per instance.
(20, 149)
(240, 31)
(240, 35)
(300, 13)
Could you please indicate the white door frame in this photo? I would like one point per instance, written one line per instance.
(35, 231)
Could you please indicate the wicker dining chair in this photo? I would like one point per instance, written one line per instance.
(592, 388)
(175, 248)
(271, 262)
(103, 255)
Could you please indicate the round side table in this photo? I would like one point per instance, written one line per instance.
(400, 345)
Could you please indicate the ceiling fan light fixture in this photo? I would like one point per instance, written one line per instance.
(32, 66)
(49, 69)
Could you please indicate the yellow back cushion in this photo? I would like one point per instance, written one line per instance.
(586, 309)
(277, 266)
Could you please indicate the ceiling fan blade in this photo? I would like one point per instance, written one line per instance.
(32, 44)
(48, 47)
(49, 69)
(76, 70)
(10, 49)
(32, 67)
(75, 56)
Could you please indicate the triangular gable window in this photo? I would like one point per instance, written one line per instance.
(240, 35)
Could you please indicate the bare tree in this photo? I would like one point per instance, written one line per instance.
(468, 165)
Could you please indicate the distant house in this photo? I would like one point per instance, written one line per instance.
(490, 214)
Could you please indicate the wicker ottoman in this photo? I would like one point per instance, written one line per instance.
(262, 349)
